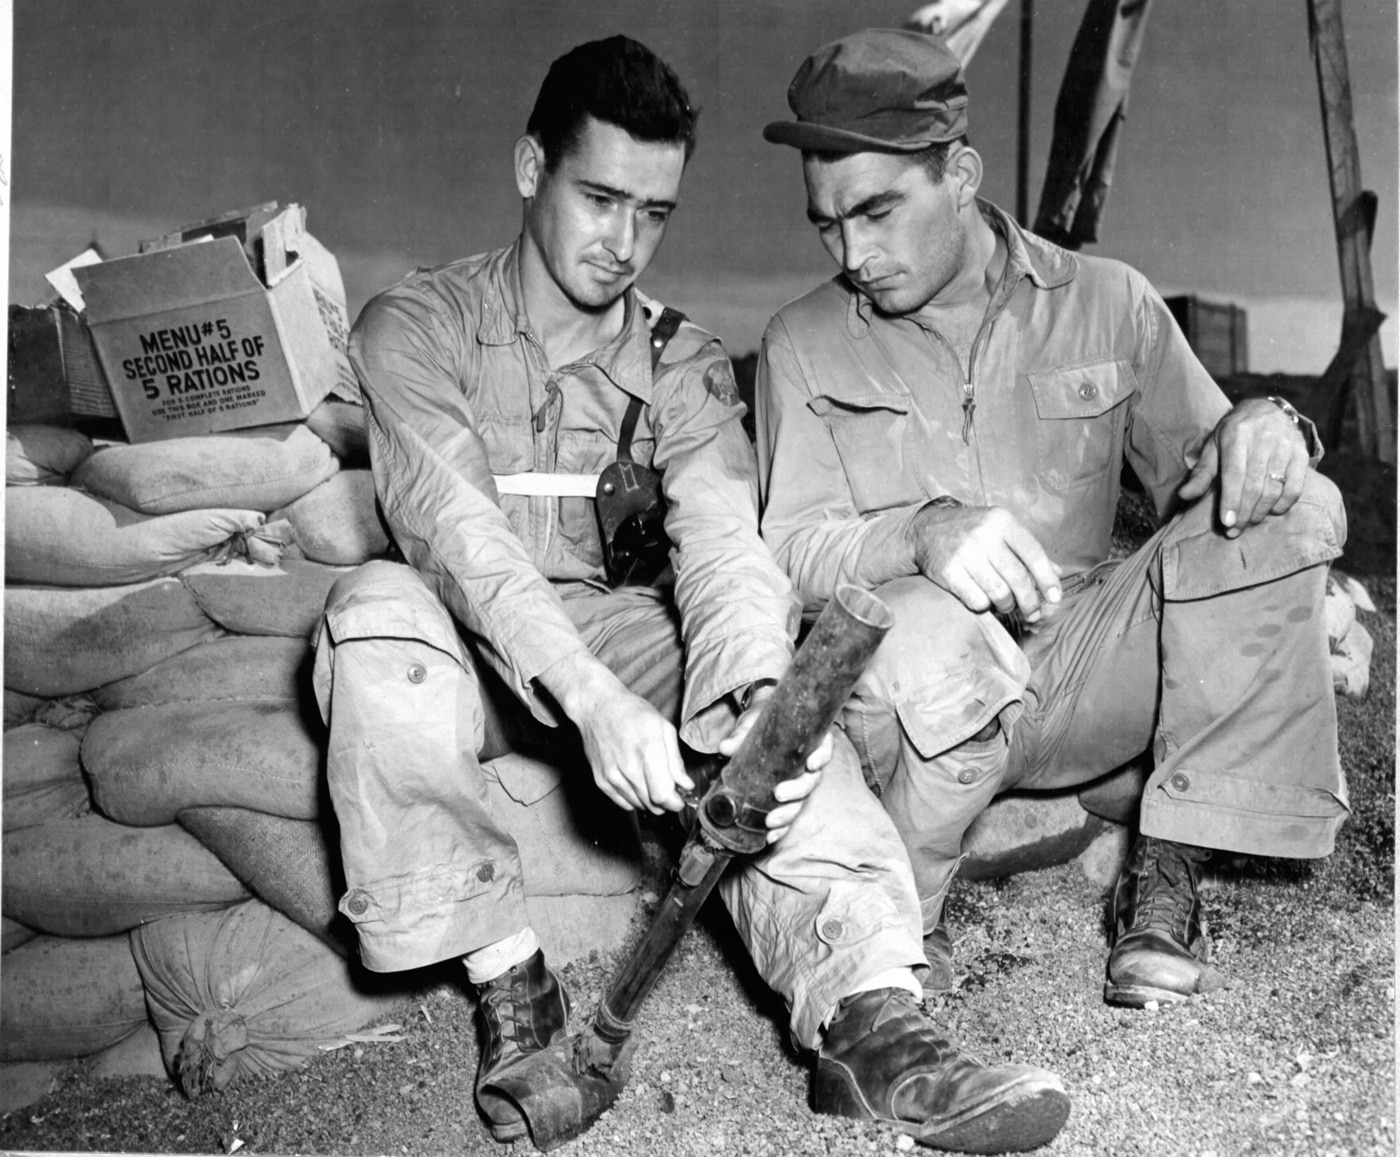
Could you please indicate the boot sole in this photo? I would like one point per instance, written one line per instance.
(511, 1132)
(1024, 1118)
(1137, 995)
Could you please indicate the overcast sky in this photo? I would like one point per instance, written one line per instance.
(392, 121)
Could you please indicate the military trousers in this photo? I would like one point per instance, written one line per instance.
(431, 873)
(1209, 651)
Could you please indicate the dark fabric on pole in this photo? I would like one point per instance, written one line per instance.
(1089, 116)
(961, 23)
(1023, 114)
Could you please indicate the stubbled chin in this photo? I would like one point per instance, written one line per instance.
(599, 295)
(886, 302)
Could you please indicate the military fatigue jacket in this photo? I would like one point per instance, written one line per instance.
(458, 389)
(862, 417)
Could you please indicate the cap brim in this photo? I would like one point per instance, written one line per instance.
(810, 137)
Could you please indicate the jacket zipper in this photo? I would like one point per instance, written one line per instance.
(969, 399)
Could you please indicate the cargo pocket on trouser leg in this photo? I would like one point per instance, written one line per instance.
(938, 791)
(1199, 562)
(855, 934)
(430, 871)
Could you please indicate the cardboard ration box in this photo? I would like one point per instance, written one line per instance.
(235, 322)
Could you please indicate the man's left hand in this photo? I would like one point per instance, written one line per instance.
(790, 793)
(1260, 459)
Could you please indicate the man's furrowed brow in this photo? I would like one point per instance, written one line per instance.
(626, 195)
(871, 204)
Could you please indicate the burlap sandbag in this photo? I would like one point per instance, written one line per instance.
(338, 522)
(258, 469)
(234, 667)
(37, 755)
(68, 998)
(93, 877)
(20, 708)
(249, 599)
(42, 776)
(147, 764)
(246, 991)
(70, 713)
(43, 455)
(67, 800)
(13, 934)
(64, 537)
(341, 425)
(290, 865)
(59, 641)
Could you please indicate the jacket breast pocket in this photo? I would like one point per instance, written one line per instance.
(869, 432)
(1079, 432)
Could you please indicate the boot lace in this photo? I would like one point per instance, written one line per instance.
(499, 1004)
(1166, 892)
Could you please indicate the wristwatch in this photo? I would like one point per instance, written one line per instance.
(745, 694)
(1311, 441)
(1287, 407)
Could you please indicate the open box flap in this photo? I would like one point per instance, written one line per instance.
(166, 280)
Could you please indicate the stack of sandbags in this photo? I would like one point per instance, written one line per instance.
(164, 757)
(127, 569)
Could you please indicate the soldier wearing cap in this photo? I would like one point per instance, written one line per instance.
(945, 423)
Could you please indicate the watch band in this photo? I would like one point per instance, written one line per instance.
(745, 696)
(1287, 407)
(1303, 425)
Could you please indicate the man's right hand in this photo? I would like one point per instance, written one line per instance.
(630, 746)
(985, 558)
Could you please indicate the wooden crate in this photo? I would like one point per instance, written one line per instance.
(54, 375)
(1217, 332)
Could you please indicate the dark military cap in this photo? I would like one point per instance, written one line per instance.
(882, 90)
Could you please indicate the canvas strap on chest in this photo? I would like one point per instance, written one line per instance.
(631, 507)
(661, 334)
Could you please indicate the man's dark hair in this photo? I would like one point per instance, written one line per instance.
(934, 159)
(617, 81)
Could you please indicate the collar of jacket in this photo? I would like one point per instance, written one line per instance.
(626, 360)
(1029, 257)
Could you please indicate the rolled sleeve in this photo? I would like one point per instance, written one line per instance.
(433, 479)
(810, 517)
(738, 613)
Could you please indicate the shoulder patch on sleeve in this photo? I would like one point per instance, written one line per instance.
(719, 382)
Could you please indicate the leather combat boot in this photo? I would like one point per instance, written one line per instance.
(521, 1012)
(883, 1060)
(1160, 949)
(938, 955)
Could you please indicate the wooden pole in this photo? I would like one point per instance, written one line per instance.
(1353, 216)
(1023, 117)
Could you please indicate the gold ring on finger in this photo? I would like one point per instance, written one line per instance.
(1277, 477)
